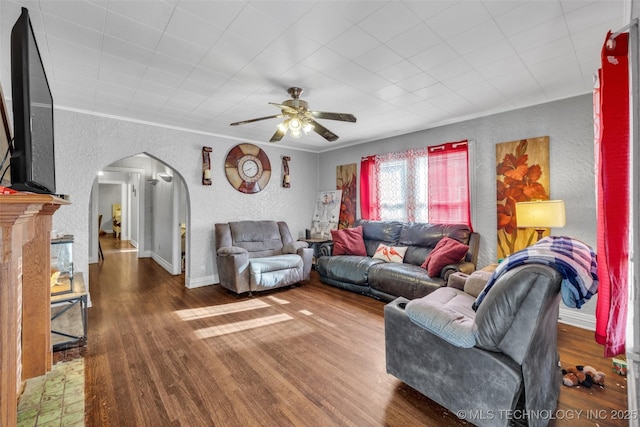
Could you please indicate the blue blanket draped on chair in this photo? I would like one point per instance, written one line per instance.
(575, 261)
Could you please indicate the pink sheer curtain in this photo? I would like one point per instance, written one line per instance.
(449, 184)
(368, 189)
(612, 151)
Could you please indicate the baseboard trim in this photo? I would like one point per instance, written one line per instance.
(202, 281)
(163, 263)
(580, 320)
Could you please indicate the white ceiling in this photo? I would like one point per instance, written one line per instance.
(398, 66)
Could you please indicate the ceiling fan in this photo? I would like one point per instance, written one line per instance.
(298, 118)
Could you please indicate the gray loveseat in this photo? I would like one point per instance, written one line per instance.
(259, 255)
(490, 366)
(388, 280)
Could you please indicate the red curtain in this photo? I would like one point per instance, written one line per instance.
(369, 208)
(612, 151)
(449, 184)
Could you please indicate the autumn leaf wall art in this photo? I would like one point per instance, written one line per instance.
(346, 181)
(522, 174)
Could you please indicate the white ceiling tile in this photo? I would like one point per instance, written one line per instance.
(389, 93)
(193, 29)
(112, 64)
(324, 60)
(595, 13)
(127, 51)
(449, 69)
(378, 59)
(353, 11)
(154, 14)
(416, 82)
(220, 13)
(180, 49)
(322, 24)
(64, 30)
(123, 28)
(458, 18)
(540, 35)
(469, 77)
(68, 50)
(414, 40)
(117, 78)
(208, 77)
(528, 15)
(255, 25)
(434, 56)
(428, 9)
(170, 65)
(499, 7)
(399, 71)
(556, 49)
(478, 37)
(286, 13)
(482, 95)
(401, 17)
(353, 43)
(500, 68)
(571, 5)
(499, 51)
(81, 13)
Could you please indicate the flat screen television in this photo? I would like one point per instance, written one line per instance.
(32, 160)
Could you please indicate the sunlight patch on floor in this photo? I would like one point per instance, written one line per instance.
(306, 312)
(244, 325)
(278, 300)
(220, 310)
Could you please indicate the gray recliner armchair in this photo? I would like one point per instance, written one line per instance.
(259, 255)
(492, 365)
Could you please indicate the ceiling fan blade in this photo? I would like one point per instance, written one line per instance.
(277, 136)
(343, 117)
(244, 122)
(323, 131)
(285, 108)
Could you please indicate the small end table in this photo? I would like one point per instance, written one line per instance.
(320, 247)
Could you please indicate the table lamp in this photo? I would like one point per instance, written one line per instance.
(540, 215)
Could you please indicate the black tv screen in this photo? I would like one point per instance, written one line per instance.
(32, 160)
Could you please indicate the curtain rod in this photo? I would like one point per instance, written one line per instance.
(633, 22)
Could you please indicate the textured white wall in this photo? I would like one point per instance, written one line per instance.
(85, 144)
(569, 125)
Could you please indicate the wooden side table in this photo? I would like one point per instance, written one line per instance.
(318, 245)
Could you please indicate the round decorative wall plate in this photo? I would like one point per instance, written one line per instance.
(247, 168)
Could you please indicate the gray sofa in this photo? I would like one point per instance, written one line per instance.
(490, 366)
(259, 255)
(386, 280)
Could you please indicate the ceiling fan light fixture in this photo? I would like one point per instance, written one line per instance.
(295, 124)
(284, 126)
(308, 127)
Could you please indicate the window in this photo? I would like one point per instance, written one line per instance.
(417, 185)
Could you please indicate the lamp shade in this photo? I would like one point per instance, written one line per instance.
(540, 214)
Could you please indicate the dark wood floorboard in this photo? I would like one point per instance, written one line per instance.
(159, 354)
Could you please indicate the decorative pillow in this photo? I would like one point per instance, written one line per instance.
(390, 253)
(348, 241)
(447, 251)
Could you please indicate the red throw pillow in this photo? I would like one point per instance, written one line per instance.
(348, 241)
(447, 251)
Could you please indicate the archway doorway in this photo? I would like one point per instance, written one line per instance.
(153, 204)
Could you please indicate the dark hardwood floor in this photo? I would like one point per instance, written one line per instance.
(163, 355)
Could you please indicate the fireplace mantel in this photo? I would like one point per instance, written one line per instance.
(25, 295)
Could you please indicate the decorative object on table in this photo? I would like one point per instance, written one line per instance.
(5, 140)
(346, 181)
(247, 168)
(522, 175)
(540, 215)
(299, 119)
(206, 165)
(326, 214)
(286, 183)
(61, 265)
